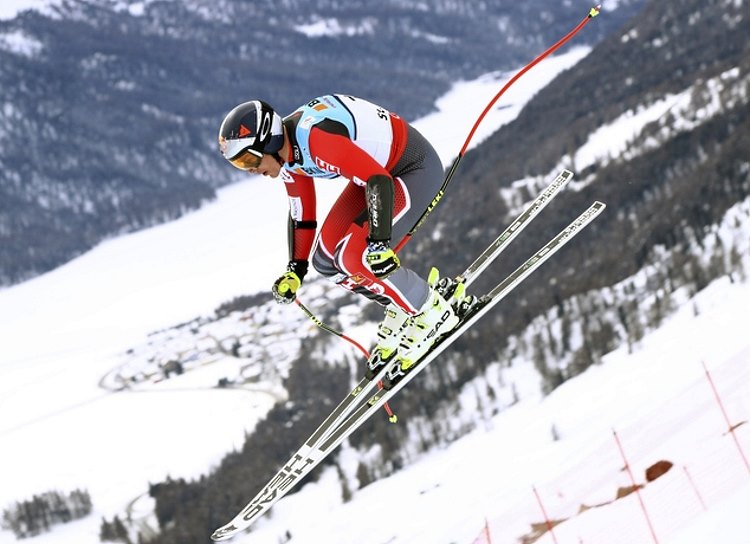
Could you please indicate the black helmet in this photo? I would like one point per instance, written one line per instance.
(252, 128)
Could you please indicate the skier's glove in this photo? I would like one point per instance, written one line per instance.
(382, 260)
(285, 288)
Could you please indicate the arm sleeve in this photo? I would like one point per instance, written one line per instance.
(302, 219)
(379, 192)
(344, 157)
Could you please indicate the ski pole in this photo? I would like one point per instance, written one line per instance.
(593, 12)
(392, 417)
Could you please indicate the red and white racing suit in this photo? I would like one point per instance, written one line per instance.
(340, 135)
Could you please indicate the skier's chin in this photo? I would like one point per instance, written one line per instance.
(267, 174)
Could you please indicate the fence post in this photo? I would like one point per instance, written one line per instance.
(695, 489)
(544, 513)
(635, 487)
(726, 417)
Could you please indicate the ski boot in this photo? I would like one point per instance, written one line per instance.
(390, 334)
(438, 317)
(464, 305)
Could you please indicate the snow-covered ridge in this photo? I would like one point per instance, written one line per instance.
(650, 126)
(57, 9)
(636, 132)
(625, 311)
(20, 43)
(11, 8)
(332, 27)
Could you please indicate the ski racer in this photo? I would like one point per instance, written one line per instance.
(394, 175)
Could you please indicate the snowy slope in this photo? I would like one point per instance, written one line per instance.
(657, 400)
(62, 332)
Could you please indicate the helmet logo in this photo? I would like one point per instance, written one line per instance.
(244, 131)
(265, 127)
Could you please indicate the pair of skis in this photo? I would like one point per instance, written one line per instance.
(353, 411)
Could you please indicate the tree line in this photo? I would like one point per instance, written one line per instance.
(37, 515)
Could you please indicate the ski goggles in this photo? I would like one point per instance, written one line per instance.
(247, 159)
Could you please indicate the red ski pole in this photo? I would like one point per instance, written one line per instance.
(593, 12)
(392, 417)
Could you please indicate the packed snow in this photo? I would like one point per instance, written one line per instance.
(63, 332)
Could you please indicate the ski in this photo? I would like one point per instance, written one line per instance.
(313, 452)
(472, 272)
(521, 222)
(394, 380)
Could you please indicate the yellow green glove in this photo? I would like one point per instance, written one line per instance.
(285, 288)
(382, 259)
